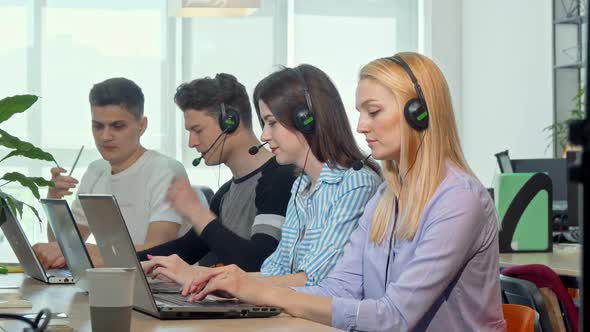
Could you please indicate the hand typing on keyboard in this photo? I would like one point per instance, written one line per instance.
(171, 268)
(229, 282)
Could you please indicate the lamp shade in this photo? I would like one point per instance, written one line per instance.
(212, 8)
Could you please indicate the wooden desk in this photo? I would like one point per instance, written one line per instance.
(73, 301)
(565, 259)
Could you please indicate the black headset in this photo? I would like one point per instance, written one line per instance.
(229, 119)
(303, 118)
(415, 110)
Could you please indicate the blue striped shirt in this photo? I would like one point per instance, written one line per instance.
(317, 228)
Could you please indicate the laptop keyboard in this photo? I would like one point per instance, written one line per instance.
(60, 273)
(179, 300)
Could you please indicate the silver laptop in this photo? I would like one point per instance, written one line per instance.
(112, 236)
(63, 225)
(25, 254)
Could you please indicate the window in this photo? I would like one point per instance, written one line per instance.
(358, 33)
(59, 48)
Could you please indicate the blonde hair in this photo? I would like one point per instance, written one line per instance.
(423, 155)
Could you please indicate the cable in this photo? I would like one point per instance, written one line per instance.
(396, 211)
(219, 161)
(390, 244)
(33, 323)
(45, 322)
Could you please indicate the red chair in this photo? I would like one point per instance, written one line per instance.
(544, 277)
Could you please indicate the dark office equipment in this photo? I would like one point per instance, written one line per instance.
(491, 192)
(555, 168)
(574, 193)
(579, 134)
(504, 162)
(524, 208)
(557, 171)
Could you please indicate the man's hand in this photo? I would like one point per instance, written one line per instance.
(63, 183)
(183, 199)
(171, 268)
(49, 255)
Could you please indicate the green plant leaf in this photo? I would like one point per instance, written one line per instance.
(15, 104)
(22, 148)
(23, 180)
(14, 204)
(33, 153)
(32, 209)
(14, 142)
(560, 130)
(41, 182)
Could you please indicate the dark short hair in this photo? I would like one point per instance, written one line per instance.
(118, 91)
(208, 93)
(283, 92)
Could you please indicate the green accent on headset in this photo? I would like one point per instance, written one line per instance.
(230, 122)
(308, 121)
(422, 116)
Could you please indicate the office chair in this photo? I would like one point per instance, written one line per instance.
(207, 192)
(523, 292)
(519, 318)
(562, 310)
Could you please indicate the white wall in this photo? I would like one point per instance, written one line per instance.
(502, 55)
(442, 41)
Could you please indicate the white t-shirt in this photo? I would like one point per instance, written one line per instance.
(140, 191)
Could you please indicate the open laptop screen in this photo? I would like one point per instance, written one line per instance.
(70, 241)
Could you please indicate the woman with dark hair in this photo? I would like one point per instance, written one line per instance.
(305, 124)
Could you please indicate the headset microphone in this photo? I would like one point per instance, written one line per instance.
(197, 160)
(254, 150)
(358, 164)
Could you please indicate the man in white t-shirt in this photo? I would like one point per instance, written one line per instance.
(139, 178)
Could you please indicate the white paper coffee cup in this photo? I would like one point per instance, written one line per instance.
(111, 298)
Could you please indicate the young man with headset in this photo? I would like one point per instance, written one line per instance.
(305, 125)
(243, 224)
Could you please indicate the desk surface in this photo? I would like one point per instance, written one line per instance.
(73, 301)
(565, 259)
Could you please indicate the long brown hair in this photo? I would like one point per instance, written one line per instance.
(332, 141)
(423, 156)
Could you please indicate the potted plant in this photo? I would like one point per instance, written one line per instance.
(560, 130)
(8, 107)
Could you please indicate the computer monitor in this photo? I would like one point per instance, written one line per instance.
(557, 171)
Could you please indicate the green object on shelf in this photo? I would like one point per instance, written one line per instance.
(529, 231)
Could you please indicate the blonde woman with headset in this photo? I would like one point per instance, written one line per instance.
(425, 254)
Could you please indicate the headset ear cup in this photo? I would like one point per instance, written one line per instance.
(416, 114)
(230, 121)
(304, 121)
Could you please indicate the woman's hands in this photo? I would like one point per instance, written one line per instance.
(229, 281)
(172, 268)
